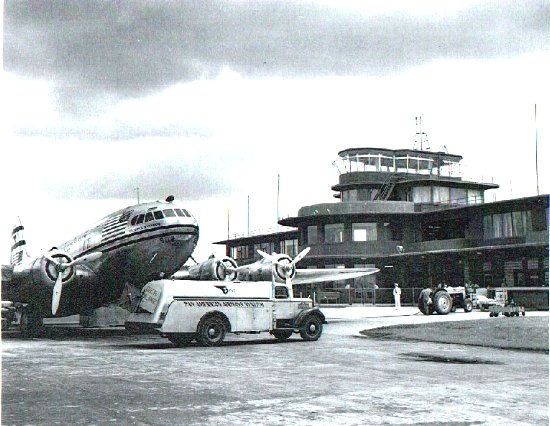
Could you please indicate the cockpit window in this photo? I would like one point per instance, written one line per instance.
(134, 219)
(169, 213)
(179, 212)
(140, 219)
(149, 217)
(158, 214)
(186, 213)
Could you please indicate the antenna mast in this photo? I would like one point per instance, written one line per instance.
(421, 137)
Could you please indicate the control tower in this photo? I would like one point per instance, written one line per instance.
(425, 177)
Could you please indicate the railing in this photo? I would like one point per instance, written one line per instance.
(407, 164)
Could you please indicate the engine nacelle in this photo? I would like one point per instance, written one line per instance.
(263, 270)
(214, 269)
(45, 271)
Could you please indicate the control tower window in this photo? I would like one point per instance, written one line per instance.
(364, 231)
(312, 235)
(334, 233)
(169, 213)
(149, 217)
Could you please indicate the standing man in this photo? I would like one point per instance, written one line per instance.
(397, 295)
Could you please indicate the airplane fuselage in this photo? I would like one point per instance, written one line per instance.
(137, 244)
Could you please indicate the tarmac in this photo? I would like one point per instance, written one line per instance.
(105, 376)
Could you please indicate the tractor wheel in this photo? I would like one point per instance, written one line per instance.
(211, 331)
(312, 328)
(423, 309)
(282, 335)
(442, 302)
(468, 305)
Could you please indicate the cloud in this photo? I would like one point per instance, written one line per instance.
(97, 53)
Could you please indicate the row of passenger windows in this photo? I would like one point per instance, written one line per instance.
(159, 214)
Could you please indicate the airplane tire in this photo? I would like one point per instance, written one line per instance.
(30, 323)
(181, 339)
(282, 335)
(442, 302)
(211, 331)
(311, 328)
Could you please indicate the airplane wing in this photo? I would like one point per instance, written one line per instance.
(308, 276)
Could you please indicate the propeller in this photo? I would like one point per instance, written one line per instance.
(61, 267)
(288, 268)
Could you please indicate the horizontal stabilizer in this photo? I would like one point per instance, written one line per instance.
(309, 276)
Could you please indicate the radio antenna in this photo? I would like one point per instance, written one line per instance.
(421, 137)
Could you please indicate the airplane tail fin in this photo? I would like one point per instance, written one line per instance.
(19, 247)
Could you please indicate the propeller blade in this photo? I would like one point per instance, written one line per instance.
(300, 256)
(56, 295)
(266, 256)
(51, 259)
(84, 259)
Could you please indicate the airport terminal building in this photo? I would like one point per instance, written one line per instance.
(413, 215)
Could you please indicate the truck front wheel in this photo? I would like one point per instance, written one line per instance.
(312, 328)
(468, 305)
(211, 331)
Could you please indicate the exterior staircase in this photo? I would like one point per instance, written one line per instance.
(386, 188)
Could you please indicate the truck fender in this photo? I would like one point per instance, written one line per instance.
(300, 318)
(220, 315)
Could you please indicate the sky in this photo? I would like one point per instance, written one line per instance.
(225, 104)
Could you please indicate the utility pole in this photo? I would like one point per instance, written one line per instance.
(137, 191)
(278, 193)
(537, 150)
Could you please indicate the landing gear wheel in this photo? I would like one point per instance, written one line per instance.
(442, 302)
(30, 324)
(181, 339)
(211, 331)
(468, 305)
(312, 328)
(282, 335)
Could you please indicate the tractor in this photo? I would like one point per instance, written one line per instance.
(446, 299)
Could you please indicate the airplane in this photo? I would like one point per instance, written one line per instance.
(277, 267)
(131, 246)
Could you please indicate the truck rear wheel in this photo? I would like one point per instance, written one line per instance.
(211, 331)
(312, 328)
(181, 339)
(468, 305)
(282, 335)
(442, 302)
